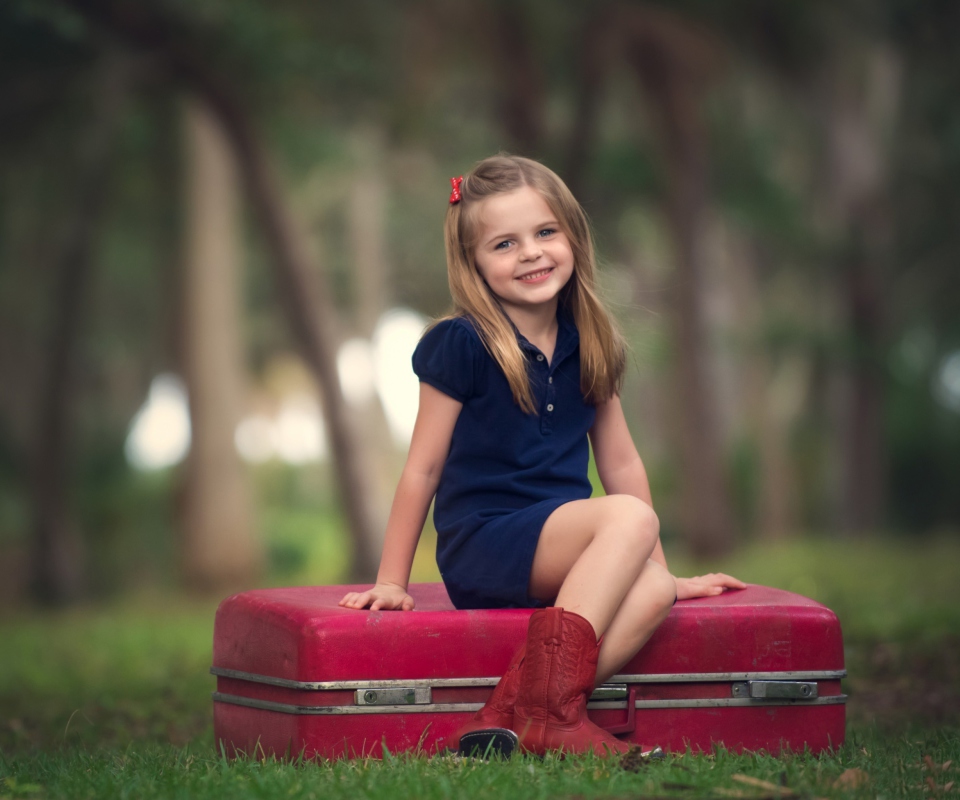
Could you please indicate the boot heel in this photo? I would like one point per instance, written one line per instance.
(487, 743)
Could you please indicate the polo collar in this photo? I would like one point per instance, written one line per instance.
(568, 337)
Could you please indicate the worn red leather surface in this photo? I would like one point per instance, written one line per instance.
(301, 634)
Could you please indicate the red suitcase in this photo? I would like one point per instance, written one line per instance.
(757, 669)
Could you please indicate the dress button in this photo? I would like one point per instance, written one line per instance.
(550, 379)
(549, 406)
(540, 357)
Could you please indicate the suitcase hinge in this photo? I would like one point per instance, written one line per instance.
(394, 696)
(775, 690)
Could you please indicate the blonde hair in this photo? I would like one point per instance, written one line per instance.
(602, 347)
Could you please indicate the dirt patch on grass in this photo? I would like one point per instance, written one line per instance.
(895, 684)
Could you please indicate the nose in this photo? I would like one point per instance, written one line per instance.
(530, 251)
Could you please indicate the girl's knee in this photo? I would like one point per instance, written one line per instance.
(635, 517)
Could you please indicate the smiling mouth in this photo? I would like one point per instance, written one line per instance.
(533, 276)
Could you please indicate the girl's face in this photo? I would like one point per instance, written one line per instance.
(522, 253)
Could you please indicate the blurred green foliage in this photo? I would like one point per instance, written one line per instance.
(890, 589)
(411, 92)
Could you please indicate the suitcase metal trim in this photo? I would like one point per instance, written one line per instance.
(295, 671)
(673, 677)
(722, 702)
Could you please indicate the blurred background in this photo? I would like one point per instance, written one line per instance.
(220, 239)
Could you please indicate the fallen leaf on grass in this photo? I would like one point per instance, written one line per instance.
(933, 766)
(778, 794)
(636, 759)
(933, 788)
(779, 791)
(852, 778)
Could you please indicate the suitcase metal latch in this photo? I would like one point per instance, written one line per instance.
(394, 696)
(775, 690)
(610, 691)
(615, 692)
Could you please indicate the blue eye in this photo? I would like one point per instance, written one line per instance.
(502, 245)
(546, 232)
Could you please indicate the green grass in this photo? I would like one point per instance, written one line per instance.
(113, 701)
(890, 768)
(113, 676)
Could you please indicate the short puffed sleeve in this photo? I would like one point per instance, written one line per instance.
(446, 358)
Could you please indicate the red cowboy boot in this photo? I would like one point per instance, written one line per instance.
(490, 726)
(556, 678)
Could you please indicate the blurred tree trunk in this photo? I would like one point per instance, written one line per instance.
(674, 64)
(219, 545)
(57, 570)
(307, 305)
(860, 101)
(510, 54)
(304, 296)
(590, 56)
(366, 223)
(367, 235)
(771, 401)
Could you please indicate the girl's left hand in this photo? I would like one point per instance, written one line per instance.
(706, 585)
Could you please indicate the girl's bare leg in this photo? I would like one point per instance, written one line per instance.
(593, 556)
(643, 609)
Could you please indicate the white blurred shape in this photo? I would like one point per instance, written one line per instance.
(298, 431)
(355, 365)
(254, 439)
(946, 387)
(159, 434)
(394, 340)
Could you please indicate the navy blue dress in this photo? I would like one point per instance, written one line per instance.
(506, 471)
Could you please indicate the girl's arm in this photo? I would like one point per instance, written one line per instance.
(429, 446)
(622, 472)
(618, 462)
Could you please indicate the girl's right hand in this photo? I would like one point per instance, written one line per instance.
(382, 597)
(706, 585)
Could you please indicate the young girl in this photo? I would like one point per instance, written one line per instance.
(512, 386)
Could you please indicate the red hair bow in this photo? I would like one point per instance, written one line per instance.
(455, 193)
